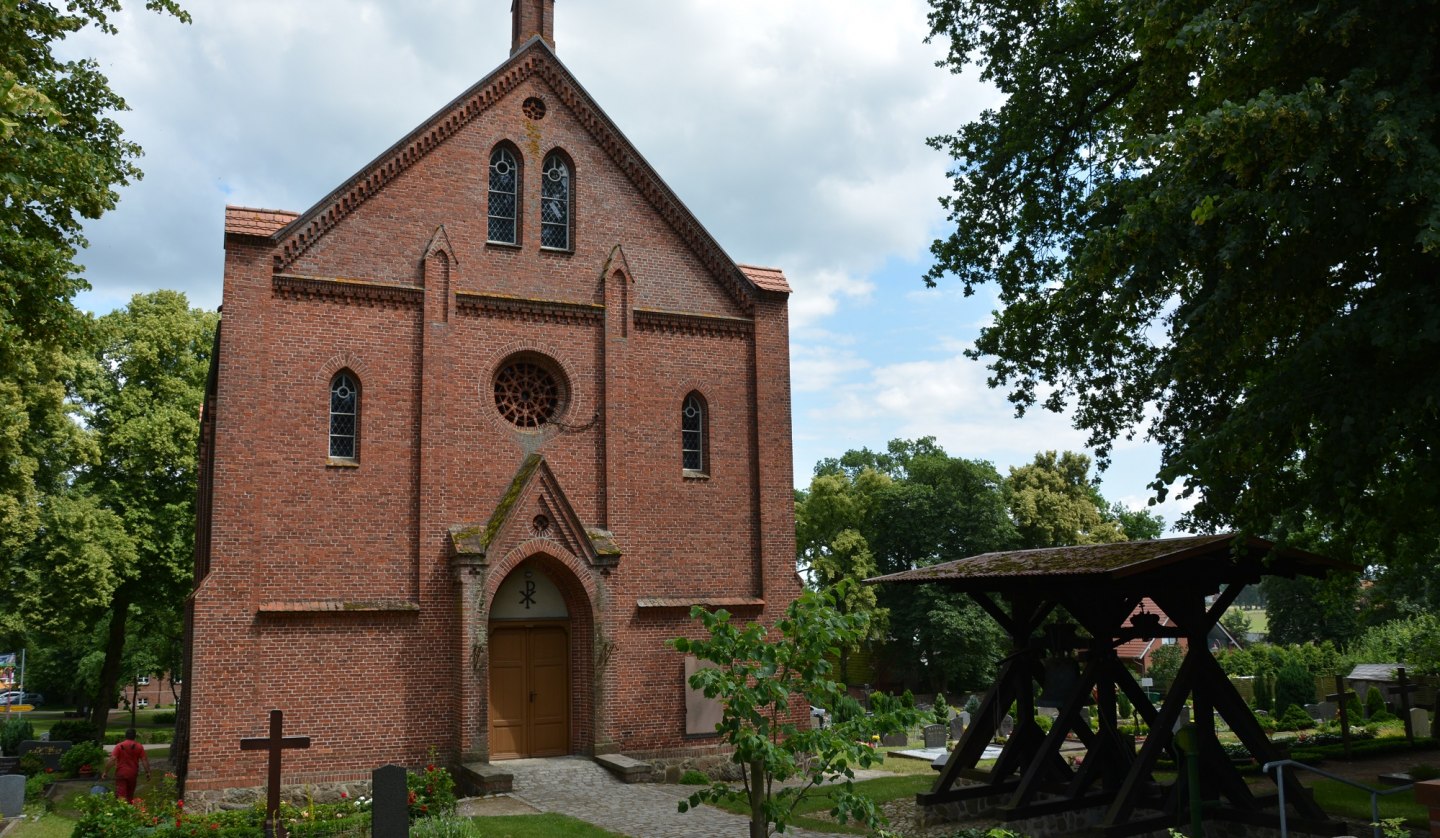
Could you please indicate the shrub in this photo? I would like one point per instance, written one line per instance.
(1265, 691)
(35, 787)
(1294, 718)
(941, 710)
(164, 717)
(432, 792)
(114, 738)
(31, 765)
(1045, 723)
(73, 730)
(13, 732)
(1374, 703)
(694, 778)
(1423, 771)
(972, 705)
(1294, 685)
(160, 737)
(1123, 706)
(82, 754)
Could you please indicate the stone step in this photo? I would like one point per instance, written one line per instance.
(628, 769)
(477, 779)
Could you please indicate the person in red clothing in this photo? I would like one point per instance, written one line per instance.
(127, 758)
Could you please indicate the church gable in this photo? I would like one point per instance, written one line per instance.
(439, 175)
(534, 507)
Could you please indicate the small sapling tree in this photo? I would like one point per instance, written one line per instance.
(763, 677)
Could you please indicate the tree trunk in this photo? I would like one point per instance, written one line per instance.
(110, 670)
(759, 824)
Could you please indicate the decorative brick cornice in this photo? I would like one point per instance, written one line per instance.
(324, 606)
(533, 310)
(355, 291)
(698, 325)
(535, 59)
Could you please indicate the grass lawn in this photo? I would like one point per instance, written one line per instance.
(881, 790)
(538, 826)
(1353, 804)
(49, 826)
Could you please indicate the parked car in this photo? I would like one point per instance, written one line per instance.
(12, 697)
(36, 699)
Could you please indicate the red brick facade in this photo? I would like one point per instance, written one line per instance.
(356, 593)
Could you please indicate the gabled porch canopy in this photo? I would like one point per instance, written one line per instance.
(1100, 586)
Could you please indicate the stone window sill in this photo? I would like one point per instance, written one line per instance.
(342, 462)
(692, 474)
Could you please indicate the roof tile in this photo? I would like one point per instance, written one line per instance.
(246, 221)
(767, 279)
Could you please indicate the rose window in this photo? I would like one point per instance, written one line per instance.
(527, 394)
(533, 108)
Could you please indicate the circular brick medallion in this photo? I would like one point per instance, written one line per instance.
(533, 108)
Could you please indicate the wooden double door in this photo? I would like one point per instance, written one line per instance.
(529, 690)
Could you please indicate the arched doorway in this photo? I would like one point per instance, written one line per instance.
(529, 666)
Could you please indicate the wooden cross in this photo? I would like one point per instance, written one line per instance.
(274, 743)
(1403, 689)
(1341, 697)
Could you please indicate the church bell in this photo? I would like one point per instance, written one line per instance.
(1062, 675)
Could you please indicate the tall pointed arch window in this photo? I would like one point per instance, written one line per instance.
(693, 434)
(555, 203)
(504, 204)
(344, 417)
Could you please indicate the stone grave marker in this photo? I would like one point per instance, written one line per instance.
(895, 740)
(49, 752)
(1326, 710)
(276, 743)
(935, 736)
(1007, 726)
(12, 795)
(390, 810)
(1420, 721)
(958, 725)
(1313, 711)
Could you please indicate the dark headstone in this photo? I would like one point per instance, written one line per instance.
(895, 740)
(390, 810)
(957, 725)
(12, 795)
(1007, 727)
(935, 736)
(49, 752)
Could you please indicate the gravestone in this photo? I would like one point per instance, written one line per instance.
(958, 725)
(390, 808)
(895, 740)
(935, 736)
(1420, 721)
(1313, 711)
(12, 795)
(1326, 710)
(1007, 727)
(49, 752)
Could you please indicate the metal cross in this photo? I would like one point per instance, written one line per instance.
(274, 743)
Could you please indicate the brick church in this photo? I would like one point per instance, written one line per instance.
(484, 422)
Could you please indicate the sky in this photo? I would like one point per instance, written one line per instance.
(794, 130)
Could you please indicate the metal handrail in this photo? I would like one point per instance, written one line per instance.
(1375, 794)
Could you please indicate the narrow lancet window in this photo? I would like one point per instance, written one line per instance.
(692, 434)
(344, 417)
(555, 204)
(504, 186)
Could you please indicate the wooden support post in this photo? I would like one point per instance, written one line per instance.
(1341, 698)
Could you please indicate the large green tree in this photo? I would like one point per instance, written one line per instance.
(1216, 223)
(61, 158)
(1054, 503)
(143, 397)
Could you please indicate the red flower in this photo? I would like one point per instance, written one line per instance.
(430, 767)
(343, 795)
(179, 804)
(412, 797)
(214, 826)
(424, 807)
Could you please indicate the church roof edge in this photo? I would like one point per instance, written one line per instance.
(535, 57)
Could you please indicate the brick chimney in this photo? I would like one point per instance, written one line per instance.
(530, 18)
